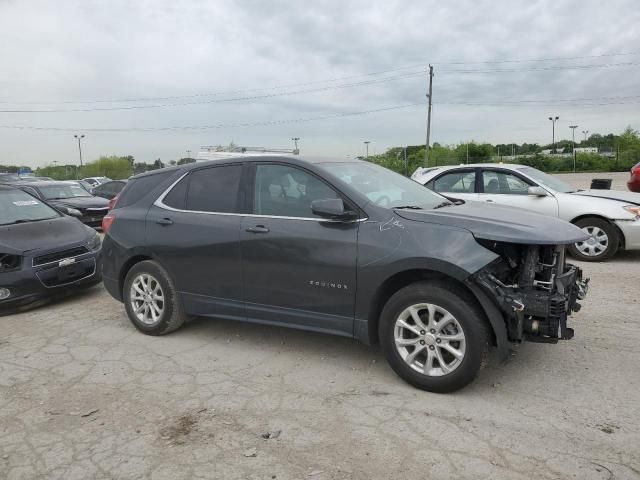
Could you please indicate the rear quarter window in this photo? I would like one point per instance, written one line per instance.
(137, 188)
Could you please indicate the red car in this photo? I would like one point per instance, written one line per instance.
(634, 182)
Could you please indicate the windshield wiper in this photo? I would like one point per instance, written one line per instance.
(20, 220)
(408, 207)
(443, 204)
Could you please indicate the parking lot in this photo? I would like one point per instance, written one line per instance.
(84, 395)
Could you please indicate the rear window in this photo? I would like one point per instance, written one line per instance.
(17, 206)
(137, 188)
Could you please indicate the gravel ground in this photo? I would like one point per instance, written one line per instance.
(84, 395)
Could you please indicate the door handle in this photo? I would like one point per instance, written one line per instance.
(489, 201)
(258, 229)
(164, 221)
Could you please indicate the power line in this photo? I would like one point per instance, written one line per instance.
(422, 66)
(545, 68)
(220, 100)
(217, 126)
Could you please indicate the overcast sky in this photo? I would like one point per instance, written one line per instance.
(239, 65)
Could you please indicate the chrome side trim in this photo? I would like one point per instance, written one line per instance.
(160, 204)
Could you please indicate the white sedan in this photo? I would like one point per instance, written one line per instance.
(611, 218)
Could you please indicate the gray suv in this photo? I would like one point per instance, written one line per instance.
(341, 247)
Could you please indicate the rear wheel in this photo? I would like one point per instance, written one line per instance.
(434, 337)
(151, 300)
(602, 243)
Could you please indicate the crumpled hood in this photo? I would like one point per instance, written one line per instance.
(501, 223)
(81, 202)
(626, 197)
(56, 233)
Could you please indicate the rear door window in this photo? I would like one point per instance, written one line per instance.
(455, 182)
(214, 189)
(503, 183)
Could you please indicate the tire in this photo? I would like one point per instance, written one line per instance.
(169, 314)
(596, 252)
(442, 298)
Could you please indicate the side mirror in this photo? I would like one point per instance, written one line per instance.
(537, 192)
(331, 208)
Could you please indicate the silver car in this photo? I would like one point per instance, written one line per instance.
(611, 218)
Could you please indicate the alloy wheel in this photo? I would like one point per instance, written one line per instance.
(147, 299)
(429, 339)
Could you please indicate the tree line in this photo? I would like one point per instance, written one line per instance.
(616, 153)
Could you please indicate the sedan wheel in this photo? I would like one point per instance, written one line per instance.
(602, 243)
(429, 339)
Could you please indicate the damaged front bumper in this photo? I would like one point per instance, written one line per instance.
(535, 290)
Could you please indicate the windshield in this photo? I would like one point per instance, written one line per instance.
(17, 206)
(383, 187)
(52, 192)
(554, 183)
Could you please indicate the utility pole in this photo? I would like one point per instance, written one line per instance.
(585, 132)
(430, 97)
(513, 149)
(498, 154)
(406, 165)
(553, 130)
(573, 139)
(467, 153)
(79, 138)
(367, 142)
(295, 141)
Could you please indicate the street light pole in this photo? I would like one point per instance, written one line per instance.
(573, 139)
(295, 141)
(367, 142)
(553, 130)
(79, 138)
(585, 132)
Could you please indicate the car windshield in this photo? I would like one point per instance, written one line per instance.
(547, 180)
(17, 206)
(53, 192)
(384, 187)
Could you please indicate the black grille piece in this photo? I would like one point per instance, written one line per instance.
(9, 263)
(55, 256)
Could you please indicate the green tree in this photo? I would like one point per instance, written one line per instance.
(114, 167)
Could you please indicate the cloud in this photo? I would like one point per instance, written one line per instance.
(91, 50)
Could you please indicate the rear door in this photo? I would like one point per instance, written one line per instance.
(459, 183)
(508, 188)
(194, 232)
(299, 269)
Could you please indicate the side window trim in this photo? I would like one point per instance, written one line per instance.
(246, 192)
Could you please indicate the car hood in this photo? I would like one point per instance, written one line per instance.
(56, 233)
(501, 224)
(620, 195)
(81, 202)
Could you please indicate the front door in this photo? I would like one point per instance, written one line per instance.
(507, 188)
(298, 269)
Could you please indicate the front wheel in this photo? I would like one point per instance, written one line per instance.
(434, 337)
(602, 243)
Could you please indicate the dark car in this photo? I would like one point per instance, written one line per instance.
(43, 253)
(634, 181)
(70, 198)
(341, 247)
(109, 190)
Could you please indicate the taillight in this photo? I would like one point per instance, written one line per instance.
(113, 201)
(107, 221)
